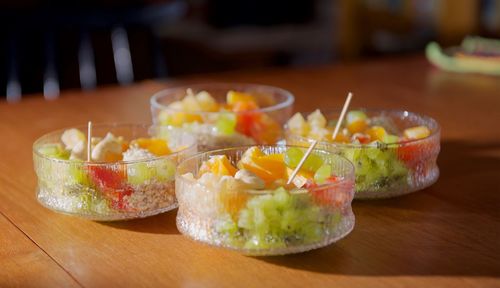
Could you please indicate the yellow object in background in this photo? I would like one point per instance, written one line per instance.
(156, 146)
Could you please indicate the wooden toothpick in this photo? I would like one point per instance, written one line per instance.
(297, 169)
(342, 114)
(313, 144)
(89, 141)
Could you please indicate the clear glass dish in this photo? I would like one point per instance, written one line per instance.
(107, 191)
(265, 223)
(261, 126)
(387, 169)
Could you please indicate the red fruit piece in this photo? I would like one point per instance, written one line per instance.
(415, 156)
(110, 181)
(362, 138)
(245, 121)
(411, 153)
(329, 196)
(265, 130)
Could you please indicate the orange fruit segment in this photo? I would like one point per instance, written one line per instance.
(156, 146)
(274, 163)
(357, 126)
(341, 138)
(222, 166)
(376, 133)
(244, 106)
(179, 118)
(234, 97)
(268, 167)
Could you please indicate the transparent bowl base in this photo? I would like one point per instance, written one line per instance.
(202, 231)
(413, 184)
(57, 204)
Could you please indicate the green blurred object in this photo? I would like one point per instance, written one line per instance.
(475, 55)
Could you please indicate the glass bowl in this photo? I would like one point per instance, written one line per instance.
(107, 191)
(264, 223)
(262, 126)
(387, 169)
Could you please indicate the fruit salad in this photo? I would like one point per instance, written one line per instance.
(225, 115)
(131, 173)
(393, 152)
(238, 198)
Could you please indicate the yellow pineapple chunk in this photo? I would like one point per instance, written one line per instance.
(298, 125)
(417, 132)
(316, 119)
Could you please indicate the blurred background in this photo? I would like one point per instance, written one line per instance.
(48, 46)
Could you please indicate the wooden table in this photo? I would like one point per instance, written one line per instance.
(447, 235)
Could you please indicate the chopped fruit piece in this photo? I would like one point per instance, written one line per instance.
(319, 133)
(312, 163)
(206, 102)
(54, 151)
(418, 132)
(221, 166)
(354, 116)
(234, 97)
(323, 172)
(265, 130)
(376, 133)
(361, 138)
(226, 123)
(179, 118)
(107, 148)
(252, 152)
(293, 156)
(329, 195)
(342, 138)
(298, 125)
(156, 146)
(357, 126)
(190, 104)
(108, 177)
(273, 163)
(244, 106)
(316, 119)
(111, 182)
(268, 167)
(262, 165)
(301, 178)
(244, 122)
(72, 137)
(390, 139)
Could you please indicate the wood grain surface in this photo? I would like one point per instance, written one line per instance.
(445, 236)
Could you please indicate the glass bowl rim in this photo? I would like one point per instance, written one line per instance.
(434, 133)
(147, 126)
(288, 102)
(346, 180)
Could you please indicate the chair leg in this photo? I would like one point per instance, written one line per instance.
(50, 78)
(122, 57)
(86, 63)
(14, 90)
